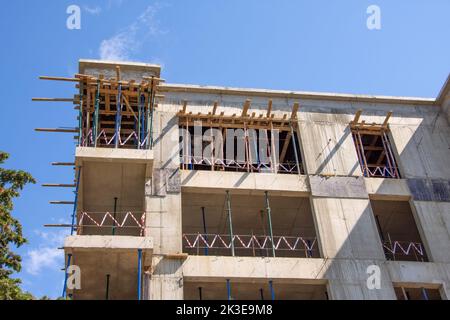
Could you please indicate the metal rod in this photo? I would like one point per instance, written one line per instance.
(392, 155)
(228, 289)
(310, 253)
(205, 235)
(74, 212)
(405, 294)
(64, 293)
(230, 222)
(261, 293)
(151, 116)
(364, 156)
(118, 117)
(358, 152)
(151, 104)
(425, 294)
(80, 116)
(269, 218)
(139, 293)
(114, 214)
(388, 156)
(107, 287)
(96, 114)
(294, 142)
(139, 129)
(200, 295)
(272, 292)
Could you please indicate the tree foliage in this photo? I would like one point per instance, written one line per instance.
(11, 182)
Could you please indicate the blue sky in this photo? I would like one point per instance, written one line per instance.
(295, 45)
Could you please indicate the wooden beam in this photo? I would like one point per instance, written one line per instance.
(60, 79)
(295, 110)
(58, 185)
(53, 100)
(61, 202)
(184, 107)
(56, 130)
(357, 116)
(215, 108)
(386, 120)
(285, 146)
(246, 107)
(118, 73)
(382, 155)
(269, 109)
(63, 164)
(127, 103)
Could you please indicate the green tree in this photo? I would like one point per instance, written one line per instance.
(11, 182)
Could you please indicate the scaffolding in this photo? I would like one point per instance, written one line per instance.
(112, 113)
(373, 148)
(270, 127)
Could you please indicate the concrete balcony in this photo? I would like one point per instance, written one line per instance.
(130, 156)
(109, 265)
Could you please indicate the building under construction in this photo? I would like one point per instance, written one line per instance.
(204, 192)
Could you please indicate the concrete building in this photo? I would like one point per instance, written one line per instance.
(354, 189)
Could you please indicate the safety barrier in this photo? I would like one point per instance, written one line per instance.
(105, 140)
(107, 220)
(401, 249)
(188, 161)
(254, 242)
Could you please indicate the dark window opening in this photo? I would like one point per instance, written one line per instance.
(405, 293)
(375, 154)
(398, 231)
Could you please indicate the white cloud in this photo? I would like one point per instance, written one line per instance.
(47, 255)
(43, 258)
(92, 10)
(125, 43)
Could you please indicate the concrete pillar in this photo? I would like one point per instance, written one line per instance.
(327, 144)
(433, 220)
(163, 280)
(345, 225)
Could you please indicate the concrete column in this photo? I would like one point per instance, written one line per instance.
(327, 144)
(163, 206)
(345, 224)
(433, 221)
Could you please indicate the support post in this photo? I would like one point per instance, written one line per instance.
(118, 117)
(200, 295)
(272, 292)
(228, 289)
(269, 217)
(64, 293)
(107, 287)
(74, 212)
(294, 144)
(425, 294)
(80, 117)
(139, 293)
(150, 106)
(205, 233)
(96, 114)
(230, 223)
(139, 124)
